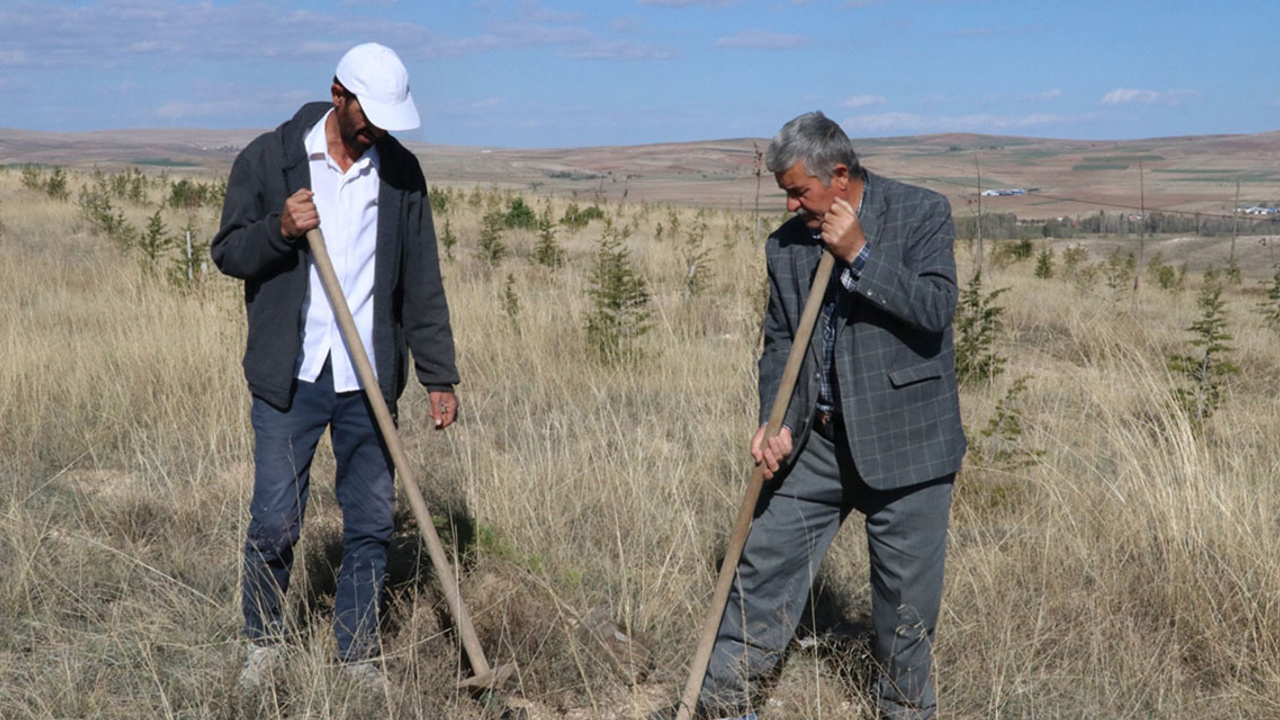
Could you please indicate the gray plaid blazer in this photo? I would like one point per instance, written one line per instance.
(894, 360)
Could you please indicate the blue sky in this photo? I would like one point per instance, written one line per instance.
(548, 73)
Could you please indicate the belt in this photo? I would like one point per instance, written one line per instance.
(828, 424)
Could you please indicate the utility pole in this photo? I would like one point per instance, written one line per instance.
(978, 168)
(1142, 236)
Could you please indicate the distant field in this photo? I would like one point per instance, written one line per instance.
(1189, 174)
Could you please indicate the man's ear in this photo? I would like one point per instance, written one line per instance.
(840, 177)
(339, 93)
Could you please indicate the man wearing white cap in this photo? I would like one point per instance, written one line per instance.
(333, 165)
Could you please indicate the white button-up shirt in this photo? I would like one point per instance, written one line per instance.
(348, 207)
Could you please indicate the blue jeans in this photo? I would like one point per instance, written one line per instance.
(285, 442)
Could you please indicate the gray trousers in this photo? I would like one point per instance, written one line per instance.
(794, 524)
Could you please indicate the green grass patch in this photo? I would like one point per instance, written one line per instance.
(1099, 166)
(164, 162)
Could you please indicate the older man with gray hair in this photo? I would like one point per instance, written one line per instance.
(873, 425)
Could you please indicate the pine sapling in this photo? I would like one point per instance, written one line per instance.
(491, 248)
(547, 251)
(1044, 264)
(1207, 367)
(152, 244)
(977, 323)
(697, 261)
(1269, 308)
(448, 241)
(511, 303)
(621, 310)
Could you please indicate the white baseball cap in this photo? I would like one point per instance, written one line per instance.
(375, 75)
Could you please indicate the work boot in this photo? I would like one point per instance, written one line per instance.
(259, 667)
(367, 675)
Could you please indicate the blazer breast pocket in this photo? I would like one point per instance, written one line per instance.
(902, 377)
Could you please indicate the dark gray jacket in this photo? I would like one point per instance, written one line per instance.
(894, 359)
(409, 307)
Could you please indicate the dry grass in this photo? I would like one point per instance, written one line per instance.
(1128, 571)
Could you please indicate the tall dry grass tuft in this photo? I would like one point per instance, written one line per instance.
(1107, 560)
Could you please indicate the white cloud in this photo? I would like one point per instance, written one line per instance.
(909, 123)
(861, 101)
(535, 12)
(619, 50)
(1046, 95)
(626, 24)
(763, 40)
(1124, 96)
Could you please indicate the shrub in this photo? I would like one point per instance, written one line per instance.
(519, 215)
(578, 219)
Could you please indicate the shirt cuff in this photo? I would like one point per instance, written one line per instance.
(850, 276)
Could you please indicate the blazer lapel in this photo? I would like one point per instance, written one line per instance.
(806, 260)
(871, 216)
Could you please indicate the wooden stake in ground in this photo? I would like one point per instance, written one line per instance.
(485, 677)
(742, 527)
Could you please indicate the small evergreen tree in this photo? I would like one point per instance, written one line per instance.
(547, 250)
(511, 303)
(152, 244)
(697, 261)
(519, 215)
(1269, 309)
(448, 240)
(621, 310)
(1072, 259)
(188, 268)
(56, 186)
(976, 324)
(1044, 264)
(1207, 366)
(491, 249)
(1119, 271)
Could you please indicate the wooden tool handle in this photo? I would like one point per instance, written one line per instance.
(439, 561)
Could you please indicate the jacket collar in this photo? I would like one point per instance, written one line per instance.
(293, 133)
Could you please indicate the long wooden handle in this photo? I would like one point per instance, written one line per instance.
(746, 511)
(439, 561)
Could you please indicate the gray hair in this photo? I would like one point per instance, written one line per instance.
(816, 141)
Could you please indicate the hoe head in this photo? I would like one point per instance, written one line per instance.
(495, 679)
